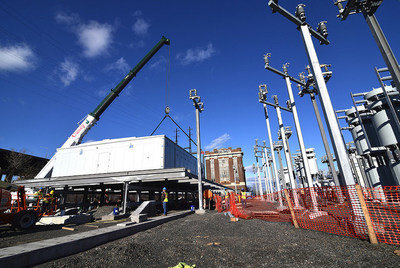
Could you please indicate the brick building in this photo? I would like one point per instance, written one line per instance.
(225, 166)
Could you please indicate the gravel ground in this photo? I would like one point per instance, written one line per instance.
(211, 240)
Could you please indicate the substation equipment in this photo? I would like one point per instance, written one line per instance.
(257, 155)
(262, 96)
(374, 119)
(314, 171)
(330, 117)
(374, 125)
(283, 176)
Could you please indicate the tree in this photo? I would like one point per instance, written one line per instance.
(22, 165)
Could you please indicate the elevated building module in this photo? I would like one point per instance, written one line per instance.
(121, 155)
(126, 166)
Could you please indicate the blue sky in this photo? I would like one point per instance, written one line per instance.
(58, 59)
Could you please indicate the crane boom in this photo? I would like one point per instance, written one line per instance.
(94, 116)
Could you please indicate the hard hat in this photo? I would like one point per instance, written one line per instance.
(165, 188)
(52, 192)
(41, 188)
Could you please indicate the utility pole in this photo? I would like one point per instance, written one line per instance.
(255, 180)
(326, 104)
(199, 108)
(258, 149)
(293, 107)
(283, 138)
(288, 134)
(271, 171)
(306, 90)
(190, 137)
(368, 9)
(278, 146)
(262, 95)
(263, 164)
(267, 162)
(289, 162)
(258, 172)
(176, 136)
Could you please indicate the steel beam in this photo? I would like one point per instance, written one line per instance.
(330, 117)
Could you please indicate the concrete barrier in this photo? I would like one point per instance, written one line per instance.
(69, 219)
(35, 253)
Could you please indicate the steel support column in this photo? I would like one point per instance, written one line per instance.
(287, 156)
(278, 187)
(333, 127)
(384, 47)
(199, 160)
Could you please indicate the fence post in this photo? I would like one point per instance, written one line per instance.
(291, 208)
(371, 232)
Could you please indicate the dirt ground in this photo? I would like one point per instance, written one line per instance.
(211, 240)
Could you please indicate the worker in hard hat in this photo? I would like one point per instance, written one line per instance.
(164, 200)
(51, 196)
(46, 203)
(243, 198)
(39, 194)
(38, 197)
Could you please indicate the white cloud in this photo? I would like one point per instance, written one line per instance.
(72, 19)
(68, 72)
(218, 142)
(94, 37)
(16, 58)
(137, 44)
(102, 93)
(158, 62)
(120, 65)
(196, 54)
(21, 101)
(137, 13)
(141, 26)
(248, 168)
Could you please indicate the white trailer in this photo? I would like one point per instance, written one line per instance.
(119, 155)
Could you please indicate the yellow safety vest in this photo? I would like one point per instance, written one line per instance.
(244, 195)
(166, 197)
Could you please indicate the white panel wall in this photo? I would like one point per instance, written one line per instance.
(127, 154)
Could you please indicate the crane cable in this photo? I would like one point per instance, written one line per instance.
(167, 81)
(167, 94)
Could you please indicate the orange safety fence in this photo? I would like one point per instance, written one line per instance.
(384, 209)
(331, 209)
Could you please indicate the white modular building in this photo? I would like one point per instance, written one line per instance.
(124, 154)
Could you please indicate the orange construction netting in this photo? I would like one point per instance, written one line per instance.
(336, 210)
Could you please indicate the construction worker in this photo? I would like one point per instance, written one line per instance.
(227, 199)
(164, 199)
(243, 196)
(207, 196)
(46, 203)
(39, 194)
(52, 200)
